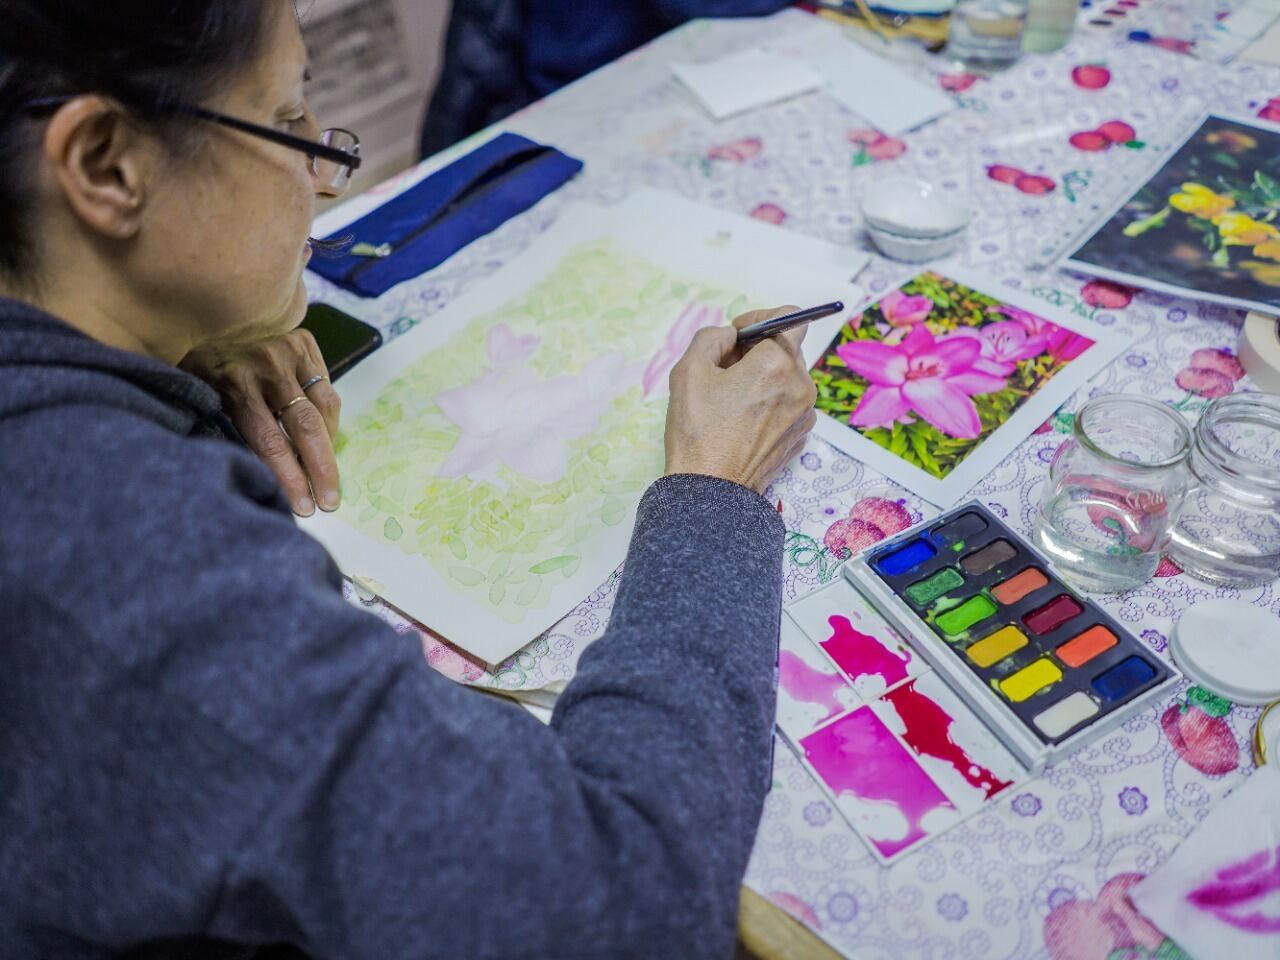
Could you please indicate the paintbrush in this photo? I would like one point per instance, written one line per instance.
(775, 325)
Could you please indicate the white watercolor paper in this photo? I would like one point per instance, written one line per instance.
(876, 89)
(746, 80)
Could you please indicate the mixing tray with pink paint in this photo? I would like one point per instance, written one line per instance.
(946, 665)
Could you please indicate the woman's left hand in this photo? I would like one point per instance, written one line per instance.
(277, 393)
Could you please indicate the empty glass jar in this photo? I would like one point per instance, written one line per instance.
(1229, 529)
(1115, 489)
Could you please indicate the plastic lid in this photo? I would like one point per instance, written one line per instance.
(1230, 648)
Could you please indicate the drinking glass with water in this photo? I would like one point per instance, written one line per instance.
(986, 35)
(1115, 490)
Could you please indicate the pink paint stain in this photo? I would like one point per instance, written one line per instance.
(929, 732)
(802, 682)
(1229, 895)
(859, 654)
(858, 755)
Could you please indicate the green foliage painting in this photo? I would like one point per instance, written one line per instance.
(933, 368)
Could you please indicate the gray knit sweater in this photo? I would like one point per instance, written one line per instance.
(204, 749)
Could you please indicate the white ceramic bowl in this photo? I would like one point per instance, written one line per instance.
(915, 249)
(913, 208)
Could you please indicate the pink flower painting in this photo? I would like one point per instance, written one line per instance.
(933, 378)
(510, 417)
(692, 319)
(1002, 345)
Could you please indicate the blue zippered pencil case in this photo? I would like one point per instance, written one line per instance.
(428, 223)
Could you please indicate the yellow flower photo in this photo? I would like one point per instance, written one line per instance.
(1205, 225)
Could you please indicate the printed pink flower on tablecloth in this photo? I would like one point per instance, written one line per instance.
(870, 520)
(921, 375)
(1215, 358)
(737, 151)
(957, 82)
(769, 213)
(1091, 76)
(905, 311)
(450, 661)
(1172, 43)
(796, 907)
(1198, 730)
(1167, 568)
(876, 145)
(1271, 111)
(1097, 929)
(1003, 345)
(1210, 373)
(1104, 293)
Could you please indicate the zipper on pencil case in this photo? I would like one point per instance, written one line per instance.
(480, 187)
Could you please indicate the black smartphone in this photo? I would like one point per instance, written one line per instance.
(343, 340)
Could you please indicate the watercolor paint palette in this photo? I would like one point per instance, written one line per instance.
(1046, 668)
(947, 665)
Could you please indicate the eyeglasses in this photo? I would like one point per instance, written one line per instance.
(333, 158)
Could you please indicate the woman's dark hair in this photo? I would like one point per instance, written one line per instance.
(143, 53)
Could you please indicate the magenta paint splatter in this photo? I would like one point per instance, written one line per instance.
(799, 681)
(1235, 892)
(929, 730)
(878, 785)
(860, 654)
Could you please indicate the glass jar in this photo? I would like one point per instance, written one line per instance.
(1115, 489)
(985, 36)
(1229, 531)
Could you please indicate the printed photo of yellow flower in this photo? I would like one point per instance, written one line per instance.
(1205, 225)
(1199, 201)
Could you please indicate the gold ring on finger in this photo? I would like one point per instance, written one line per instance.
(298, 399)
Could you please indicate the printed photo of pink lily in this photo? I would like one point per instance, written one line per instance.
(934, 367)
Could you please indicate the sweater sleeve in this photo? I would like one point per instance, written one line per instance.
(431, 821)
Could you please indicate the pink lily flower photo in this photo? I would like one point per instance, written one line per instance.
(935, 367)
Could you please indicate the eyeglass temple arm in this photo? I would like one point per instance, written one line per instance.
(311, 147)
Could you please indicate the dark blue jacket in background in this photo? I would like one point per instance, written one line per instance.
(501, 55)
(204, 748)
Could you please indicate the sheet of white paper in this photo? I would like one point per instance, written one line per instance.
(1266, 49)
(492, 459)
(1000, 442)
(1219, 894)
(746, 80)
(876, 89)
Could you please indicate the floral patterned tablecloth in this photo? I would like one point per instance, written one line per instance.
(1043, 872)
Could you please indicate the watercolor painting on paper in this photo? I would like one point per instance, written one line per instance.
(877, 784)
(1204, 225)
(492, 460)
(941, 378)
(856, 639)
(496, 456)
(811, 690)
(961, 755)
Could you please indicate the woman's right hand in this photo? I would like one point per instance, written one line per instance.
(740, 417)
